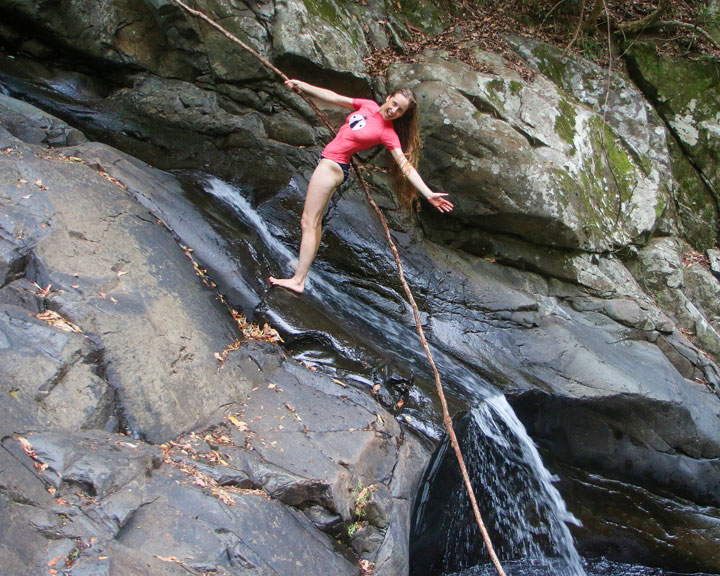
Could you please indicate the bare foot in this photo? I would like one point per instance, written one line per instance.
(289, 283)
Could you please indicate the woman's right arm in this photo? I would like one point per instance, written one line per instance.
(321, 93)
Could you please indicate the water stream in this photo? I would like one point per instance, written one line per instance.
(331, 293)
(525, 514)
(530, 514)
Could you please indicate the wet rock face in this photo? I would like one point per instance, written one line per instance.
(544, 189)
(109, 342)
(96, 266)
(575, 431)
(621, 496)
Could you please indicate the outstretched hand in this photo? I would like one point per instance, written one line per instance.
(438, 200)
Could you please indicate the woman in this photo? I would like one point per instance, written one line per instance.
(392, 124)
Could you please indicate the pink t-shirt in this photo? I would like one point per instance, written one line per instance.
(363, 129)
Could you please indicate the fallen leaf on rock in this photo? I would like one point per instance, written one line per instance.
(376, 388)
(168, 558)
(46, 292)
(27, 446)
(338, 382)
(54, 561)
(57, 321)
(367, 567)
(239, 423)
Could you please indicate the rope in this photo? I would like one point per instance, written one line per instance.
(447, 420)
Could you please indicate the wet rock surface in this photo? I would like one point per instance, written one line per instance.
(127, 446)
(577, 302)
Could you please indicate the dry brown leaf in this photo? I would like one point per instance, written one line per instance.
(57, 321)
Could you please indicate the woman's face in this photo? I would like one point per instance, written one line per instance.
(395, 106)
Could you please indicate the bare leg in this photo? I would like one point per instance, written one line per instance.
(326, 178)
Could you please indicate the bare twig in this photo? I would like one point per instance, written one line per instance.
(547, 15)
(257, 55)
(447, 420)
(680, 24)
(605, 109)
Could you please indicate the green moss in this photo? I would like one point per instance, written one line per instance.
(515, 87)
(424, 14)
(604, 184)
(550, 63)
(660, 206)
(325, 10)
(696, 205)
(496, 93)
(497, 85)
(565, 123)
(623, 170)
(679, 81)
(329, 12)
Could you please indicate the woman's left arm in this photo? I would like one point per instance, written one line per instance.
(437, 199)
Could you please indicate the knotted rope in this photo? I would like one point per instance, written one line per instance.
(447, 420)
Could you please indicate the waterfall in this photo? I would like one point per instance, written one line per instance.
(327, 290)
(231, 197)
(524, 512)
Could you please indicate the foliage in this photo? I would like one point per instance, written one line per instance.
(480, 24)
(361, 496)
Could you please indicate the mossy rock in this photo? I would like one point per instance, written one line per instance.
(696, 207)
(428, 16)
(687, 95)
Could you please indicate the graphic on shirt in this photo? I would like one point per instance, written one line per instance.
(357, 121)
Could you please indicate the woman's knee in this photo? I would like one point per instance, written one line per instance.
(309, 222)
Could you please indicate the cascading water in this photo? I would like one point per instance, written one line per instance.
(522, 507)
(329, 291)
(523, 511)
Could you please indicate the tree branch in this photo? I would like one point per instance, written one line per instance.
(695, 27)
(646, 22)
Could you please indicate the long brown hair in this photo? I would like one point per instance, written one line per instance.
(407, 128)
